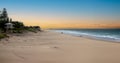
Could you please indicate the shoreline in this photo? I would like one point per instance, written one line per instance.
(91, 37)
(52, 47)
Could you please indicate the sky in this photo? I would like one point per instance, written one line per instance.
(65, 13)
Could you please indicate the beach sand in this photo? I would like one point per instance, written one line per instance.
(51, 47)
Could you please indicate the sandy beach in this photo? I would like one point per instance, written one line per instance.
(51, 47)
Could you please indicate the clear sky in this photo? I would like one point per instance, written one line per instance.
(65, 13)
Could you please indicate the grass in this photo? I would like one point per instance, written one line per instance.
(3, 35)
(32, 30)
(17, 30)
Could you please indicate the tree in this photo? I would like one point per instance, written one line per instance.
(3, 19)
(4, 13)
(17, 24)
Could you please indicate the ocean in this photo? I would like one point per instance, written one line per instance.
(102, 34)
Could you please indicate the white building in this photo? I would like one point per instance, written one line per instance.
(9, 26)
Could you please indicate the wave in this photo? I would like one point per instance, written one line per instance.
(107, 37)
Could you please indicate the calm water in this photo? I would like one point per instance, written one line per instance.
(103, 34)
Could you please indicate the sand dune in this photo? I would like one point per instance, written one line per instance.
(51, 47)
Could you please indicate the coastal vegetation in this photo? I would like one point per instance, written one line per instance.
(3, 35)
(8, 26)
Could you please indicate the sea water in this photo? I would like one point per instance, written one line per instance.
(103, 34)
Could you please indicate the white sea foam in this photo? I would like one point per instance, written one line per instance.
(91, 35)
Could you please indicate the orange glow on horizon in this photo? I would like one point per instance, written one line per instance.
(47, 22)
(78, 25)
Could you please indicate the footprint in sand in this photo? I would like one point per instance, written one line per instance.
(55, 47)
